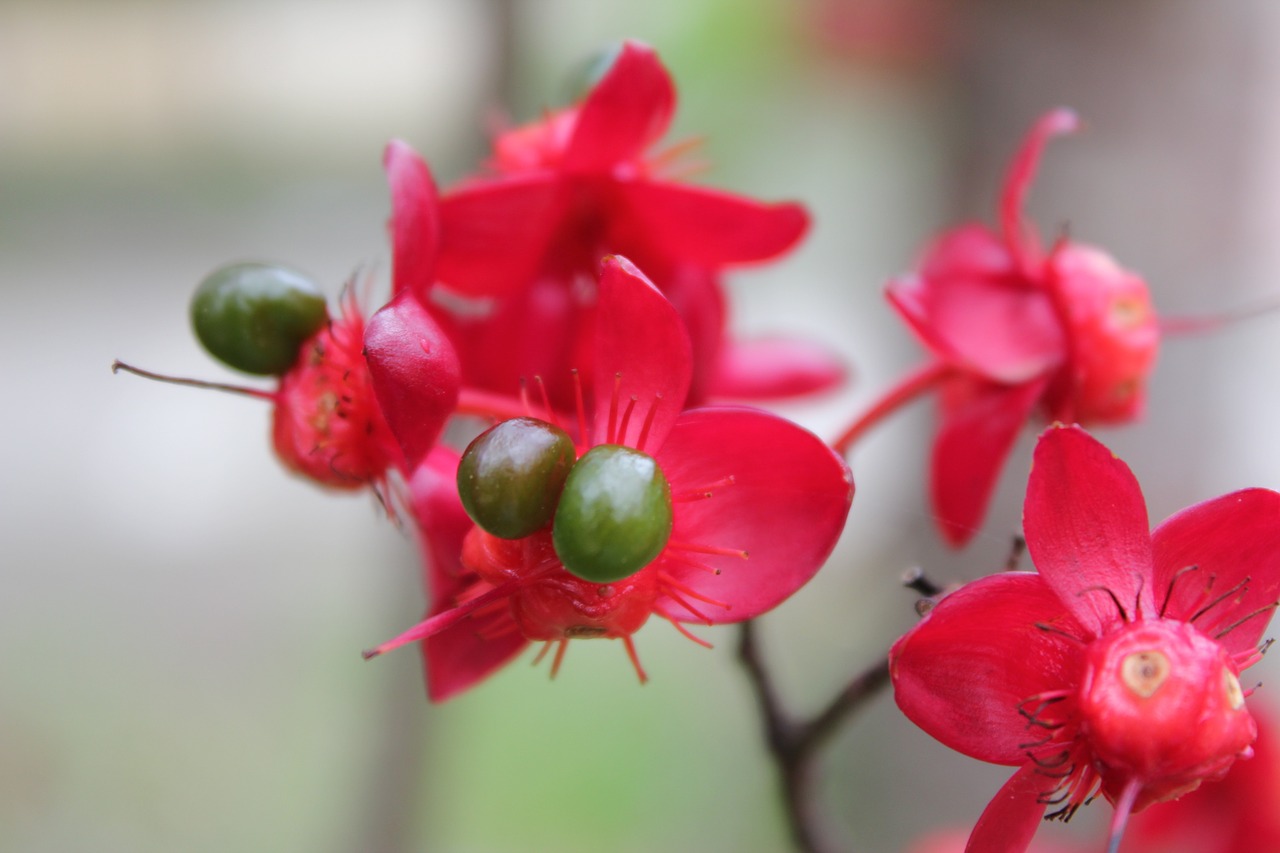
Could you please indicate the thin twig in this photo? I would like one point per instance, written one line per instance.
(793, 744)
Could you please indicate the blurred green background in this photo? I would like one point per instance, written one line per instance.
(180, 622)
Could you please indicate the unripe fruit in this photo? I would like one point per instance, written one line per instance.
(510, 477)
(255, 317)
(614, 516)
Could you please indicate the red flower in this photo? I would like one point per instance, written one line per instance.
(1016, 331)
(1116, 667)
(362, 400)
(757, 504)
(581, 184)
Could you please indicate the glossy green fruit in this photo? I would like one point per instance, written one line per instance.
(254, 317)
(614, 516)
(510, 477)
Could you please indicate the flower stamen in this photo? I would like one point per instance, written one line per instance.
(635, 658)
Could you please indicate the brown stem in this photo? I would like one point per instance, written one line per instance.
(242, 390)
(793, 745)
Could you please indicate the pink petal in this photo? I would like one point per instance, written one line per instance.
(415, 220)
(970, 306)
(415, 373)
(540, 331)
(773, 367)
(460, 657)
(642, 351)
(495, 232)
(1010, 820)
(698, 297)
(785, 506)
(1085, 521)
(1018, 233)
(703, 226)
(963, 672)
(980, 424)
(1232, 539)
(457, 657)
(627, 110)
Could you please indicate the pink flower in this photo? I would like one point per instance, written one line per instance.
(1114, 668)
(757, 504)
(1017, 332)
(583, 183)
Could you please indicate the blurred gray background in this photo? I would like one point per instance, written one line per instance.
(180, 621)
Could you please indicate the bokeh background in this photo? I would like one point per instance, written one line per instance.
(180, 621)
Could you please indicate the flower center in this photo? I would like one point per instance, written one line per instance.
(1144, 672)
(1160, 703)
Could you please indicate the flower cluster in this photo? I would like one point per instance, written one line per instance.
(569, 295)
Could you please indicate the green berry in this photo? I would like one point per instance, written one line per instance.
(614, 516)
(255, 317)
(510, 477)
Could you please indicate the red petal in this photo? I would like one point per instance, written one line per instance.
(457, 657)
(1232, 539)
(970, 306)
(494, 233)
(980, 423)
(785, 506)
(627, 110)
(642, 351)
(415, 220)
(772, 368)
(703, 226)
(963, 672)
(1018, 233)
(1086, 527)
(415, 374)
(1010, 820)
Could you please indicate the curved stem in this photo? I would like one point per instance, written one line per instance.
(242, 390)
(793, 745)
(907, 390)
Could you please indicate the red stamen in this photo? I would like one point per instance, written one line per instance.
(911, 387)
(671, 583)
(635, 659)
(707, 549)
(542, 653)
(243, 391)
(626, 419)
(546, 400)
(524, 397)
(561, 648)
(689, 561)
(613, 409)
(689, 635)
(703, 492)
(648, 421)
(449, 618)
(702, 617)
(580, 406)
